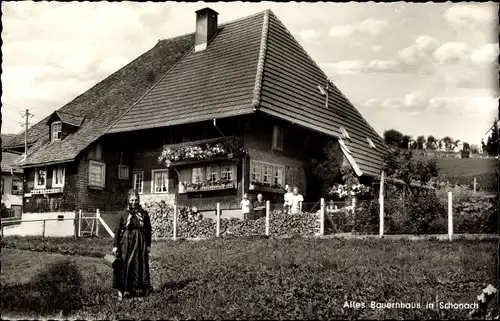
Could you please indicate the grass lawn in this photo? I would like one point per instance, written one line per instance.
(466, 166)
(257, 279)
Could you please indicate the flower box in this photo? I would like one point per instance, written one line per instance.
(231, 185)
(266, 188)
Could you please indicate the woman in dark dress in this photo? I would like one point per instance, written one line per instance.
(132, 244)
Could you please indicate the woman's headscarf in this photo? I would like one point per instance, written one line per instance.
(134, 211)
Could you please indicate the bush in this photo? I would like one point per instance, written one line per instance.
(476, 215)
(427, 215)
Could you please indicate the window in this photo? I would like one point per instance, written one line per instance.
(291, 176)
(56, 129)
(344, 132)
(370, 142)
(212, 173)
(139, 182)
(160, 181)
(96, 152)
(40, 177)
(227, 172)
(197, 176)
(267, 172)
(123, 172)
(278, 176)
(97, 174)
(256, 172)
(58, 176)
(17, 187)
(277, 138)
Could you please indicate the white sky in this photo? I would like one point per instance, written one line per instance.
(420, 68)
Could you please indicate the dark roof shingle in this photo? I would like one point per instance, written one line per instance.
(6, 138)
(290, 91)
(104, 103)
(252, 64)
(9, 162)
(69, 118)
(217, 82)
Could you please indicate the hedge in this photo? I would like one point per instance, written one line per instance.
(426, 214)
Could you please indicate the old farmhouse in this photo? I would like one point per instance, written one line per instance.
(198, 119)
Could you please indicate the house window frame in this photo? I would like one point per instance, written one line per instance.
(270, 174)
(211, 172)
(254, 171)
(277, 138)
(276, 169)
(54, 173)
(153, 185)
(95, 152)
(125, 168)
(103, 173)
(38, 186)
(52, 132)
(135, 175)
(198, 172)
(232, 168)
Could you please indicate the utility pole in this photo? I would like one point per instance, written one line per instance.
(26, 124)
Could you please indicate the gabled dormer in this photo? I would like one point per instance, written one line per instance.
(63, 124)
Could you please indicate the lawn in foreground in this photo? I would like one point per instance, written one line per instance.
(258, 279)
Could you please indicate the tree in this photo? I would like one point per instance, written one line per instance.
(402, 166)
(405, 142)
(420, 142)
(393, 137)
(329, 169)
(467, 147)
(493, 143)
(448, 142)
(431, 142)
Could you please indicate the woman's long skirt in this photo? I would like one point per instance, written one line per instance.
(133, 274)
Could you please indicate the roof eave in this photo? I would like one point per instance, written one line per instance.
(46, 163)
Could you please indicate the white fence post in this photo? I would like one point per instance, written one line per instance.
(322, 217)
(175, 222)
(97, 216)
(381, 201)
(381, 223)
(268, 213)
(217, 231)
(43, 232)
(450, 216)
(475, 185)
(353, 203)
(80, 212)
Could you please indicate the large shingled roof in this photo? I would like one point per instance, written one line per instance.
(253, 65)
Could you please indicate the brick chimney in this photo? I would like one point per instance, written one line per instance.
(206, 28)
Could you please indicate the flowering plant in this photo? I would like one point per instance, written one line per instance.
(206, 184)
(261, 184)
(343, 191)
(192, 152)
(233, 147)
